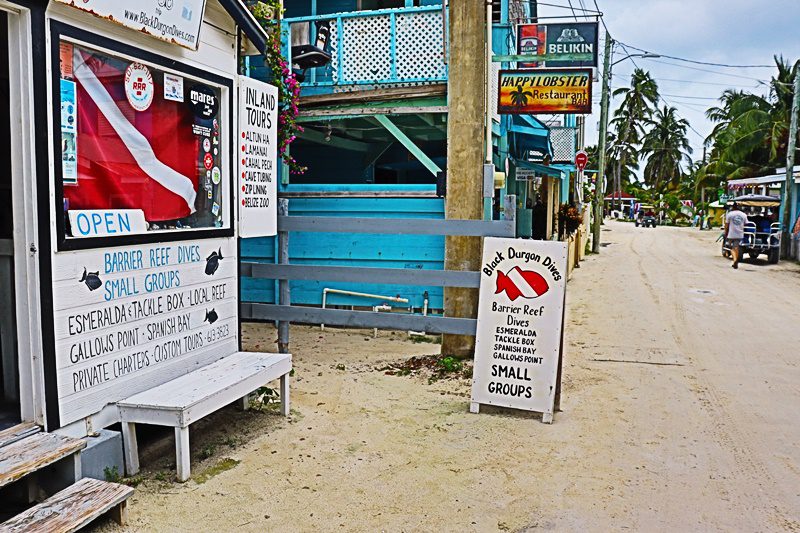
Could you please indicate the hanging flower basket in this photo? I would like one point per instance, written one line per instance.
(267, 13)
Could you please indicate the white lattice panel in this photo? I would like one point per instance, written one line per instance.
(563, 141)
(366, 49)
(420, 46)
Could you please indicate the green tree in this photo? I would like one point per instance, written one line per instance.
(630, 118)
(752, 130)
(666, 147)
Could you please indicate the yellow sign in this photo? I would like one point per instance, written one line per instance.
(528, 92)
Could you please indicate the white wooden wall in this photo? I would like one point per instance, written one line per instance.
(84, 409)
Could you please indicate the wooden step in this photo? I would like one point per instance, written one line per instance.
(18, 432)
(33, 453)
(73, 508)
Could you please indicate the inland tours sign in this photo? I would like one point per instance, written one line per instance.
(520, 324)
(530, 92)
(258, 139)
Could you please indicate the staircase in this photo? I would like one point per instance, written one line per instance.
(24, 451)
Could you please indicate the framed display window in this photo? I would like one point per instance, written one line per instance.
(142, 145)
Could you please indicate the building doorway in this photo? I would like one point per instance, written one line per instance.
(9, 360)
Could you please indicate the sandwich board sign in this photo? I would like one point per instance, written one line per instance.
(520, 325)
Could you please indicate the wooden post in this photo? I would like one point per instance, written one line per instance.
(284, 296)
(786, 216)
(465, 156)
(182, 460)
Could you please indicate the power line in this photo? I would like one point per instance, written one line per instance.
(705, 70)
(699, 62)
(707, 83)
(602, 19)
(678, 95)
(661, 97)
(573, 10)
(692, 97)
(570, 7)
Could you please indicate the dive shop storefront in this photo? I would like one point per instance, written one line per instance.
(127, 179)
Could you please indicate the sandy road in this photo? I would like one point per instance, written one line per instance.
(681, 413)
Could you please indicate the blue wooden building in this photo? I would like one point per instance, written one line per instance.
(375, 119)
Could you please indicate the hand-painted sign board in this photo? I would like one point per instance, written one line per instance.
(525, 174)
(258, 140)
(173, 21)
(129, 318)
(520, 324)
(102, 222)
(529, 92)
(567, 44)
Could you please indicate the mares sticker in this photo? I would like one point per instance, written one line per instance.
(203, 101)
(139, 87)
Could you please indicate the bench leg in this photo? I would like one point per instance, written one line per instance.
(131, 448)
(182, 453)
(244, 402)
(120, 513)
(285, 395)
(77, 473)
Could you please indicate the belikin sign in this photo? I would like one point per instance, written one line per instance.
(569, 44)
(528, 92)
(520, 325)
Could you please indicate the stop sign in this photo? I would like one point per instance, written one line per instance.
(581, 159)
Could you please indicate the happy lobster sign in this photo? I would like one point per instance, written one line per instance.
(520, 324)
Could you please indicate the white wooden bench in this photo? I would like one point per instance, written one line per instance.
(189, 398)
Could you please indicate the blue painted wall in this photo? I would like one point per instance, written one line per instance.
(341, 249)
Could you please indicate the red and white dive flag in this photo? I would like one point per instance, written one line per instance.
(521, 283)
(127, 158)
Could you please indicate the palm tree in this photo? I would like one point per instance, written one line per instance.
(752, 131)
(666, 147)
(638, 103)
(519, 97)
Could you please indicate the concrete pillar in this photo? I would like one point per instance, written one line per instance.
(465, 155)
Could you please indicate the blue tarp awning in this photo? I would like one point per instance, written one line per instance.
(542, 169)
(529, 134)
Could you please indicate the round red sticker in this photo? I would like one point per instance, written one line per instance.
(139, 88)
(208, 161)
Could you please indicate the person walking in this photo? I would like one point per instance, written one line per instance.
(734, 231)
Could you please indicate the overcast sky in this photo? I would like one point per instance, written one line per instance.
(719, 31)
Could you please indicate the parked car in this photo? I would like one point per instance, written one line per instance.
(761, 234)
(646, 217)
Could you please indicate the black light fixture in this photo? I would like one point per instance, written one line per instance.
(305, 56)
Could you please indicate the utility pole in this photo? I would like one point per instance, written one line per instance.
(790, 153)
(466, 92)
(601, 147)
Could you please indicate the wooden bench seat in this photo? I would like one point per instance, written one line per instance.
(73, 508)
(18, 432)
(35, 452)
(186, 399)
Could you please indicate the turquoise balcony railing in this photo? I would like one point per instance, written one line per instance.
(376, 48)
